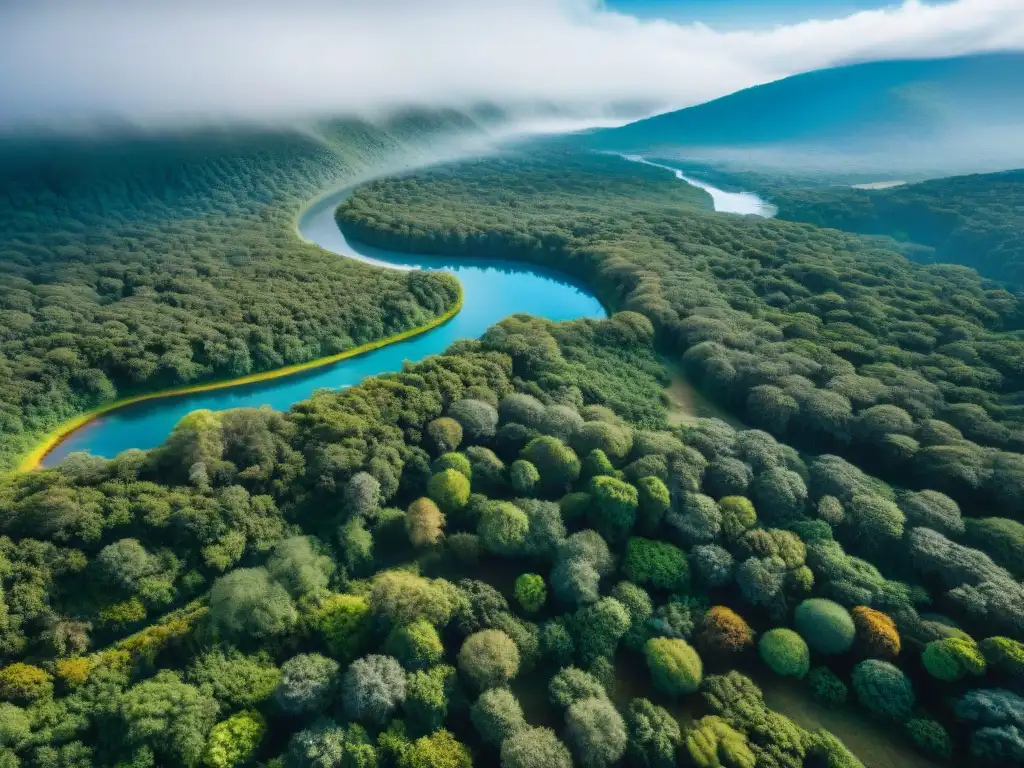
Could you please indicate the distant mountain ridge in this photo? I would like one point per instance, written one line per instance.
(971, 105)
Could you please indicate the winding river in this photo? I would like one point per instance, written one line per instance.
(492, 290)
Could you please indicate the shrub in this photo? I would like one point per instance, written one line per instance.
(574, 506)
(596, 732)
(496, 715)
(438, 750)
(599, 628)
(883, 689)
(929, 737)
(235, 740)
(826, 687)
(638, 605)
(246, 602)
(654, 502)
(785, 652)
(503, 528)
(401, 597)
(556, 462)
(952, 658)
(488, 470)
(521, 409)
(556, 642)
(489, 658)
(465, 547)
(327, 743)
(416, 645)
(657, 563)
(15, 728)
(479, 420)
(373, 687)
(614, 441)
(596, 463)
(307, 684)
(534, 748)
(22, 682)
(570, 685)
(825, 625)
(449, 489)
(424, 523)
(444, 434)
(531, 592)
(451, 460)
(724, 632)
(1005, 654)
(999, 538)
(876, 632)
(713, 743)
(613, 511)
(737, 514)
(654, 735)
(713, 564)
(524, 478)
(676, 668)
(426, 698)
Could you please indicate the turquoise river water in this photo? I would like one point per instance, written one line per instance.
(492, 290)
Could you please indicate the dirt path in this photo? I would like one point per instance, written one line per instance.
(685, 403)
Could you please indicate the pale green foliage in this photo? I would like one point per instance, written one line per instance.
(234, 741)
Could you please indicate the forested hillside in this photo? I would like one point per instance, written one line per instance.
(435, 568)
(977, 221)
(823, 338)
(136, 263)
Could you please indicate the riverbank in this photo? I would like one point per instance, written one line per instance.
(34, 459)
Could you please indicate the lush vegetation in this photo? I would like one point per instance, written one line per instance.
(142, 263)
(971, 220)
(378, 576)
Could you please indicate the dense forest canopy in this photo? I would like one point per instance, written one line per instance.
(504, 555)
(829, 340)
(138, 263)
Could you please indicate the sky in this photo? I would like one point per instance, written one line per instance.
(68, 64)
(740, 14)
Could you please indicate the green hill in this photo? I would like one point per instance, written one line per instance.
(135, 262)
(976, 220)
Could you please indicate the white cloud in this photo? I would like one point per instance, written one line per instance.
(65, 62)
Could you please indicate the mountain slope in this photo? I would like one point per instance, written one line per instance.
(975, 220)
(900, 110)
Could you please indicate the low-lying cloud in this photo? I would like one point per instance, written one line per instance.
(67, 64)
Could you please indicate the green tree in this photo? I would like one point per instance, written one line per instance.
(826, 626)
(234, 741)
(531, 592)
(534, 748)
(596, 732)
(489, 658)
(676, 669)
(307, 684)
(449, 490)
(613, 512)
(247, 603)
(656, 563)
(556, 462)
(373, 687)
(785, 652)
(169, 716)
(497, 715)
(503, 528)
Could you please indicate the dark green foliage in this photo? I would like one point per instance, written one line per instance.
(488, 471)
(826, 626)
(596, 463)
(556, 642)
(656, 563)
(613, 511)
(479, 420)
(611, 440)
(169, 716)
(654, 735)
(503, 528)
(826, 687)
(883, 689)
(427, 694)
(599, 627)
(554, 460)
(929, 737)
(1000, 539)
(327, 744)
(970, 220)
(248, 603)
(570, 685)
(654, 500)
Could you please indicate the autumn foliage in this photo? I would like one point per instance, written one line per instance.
(876, 632)
(724, 632)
